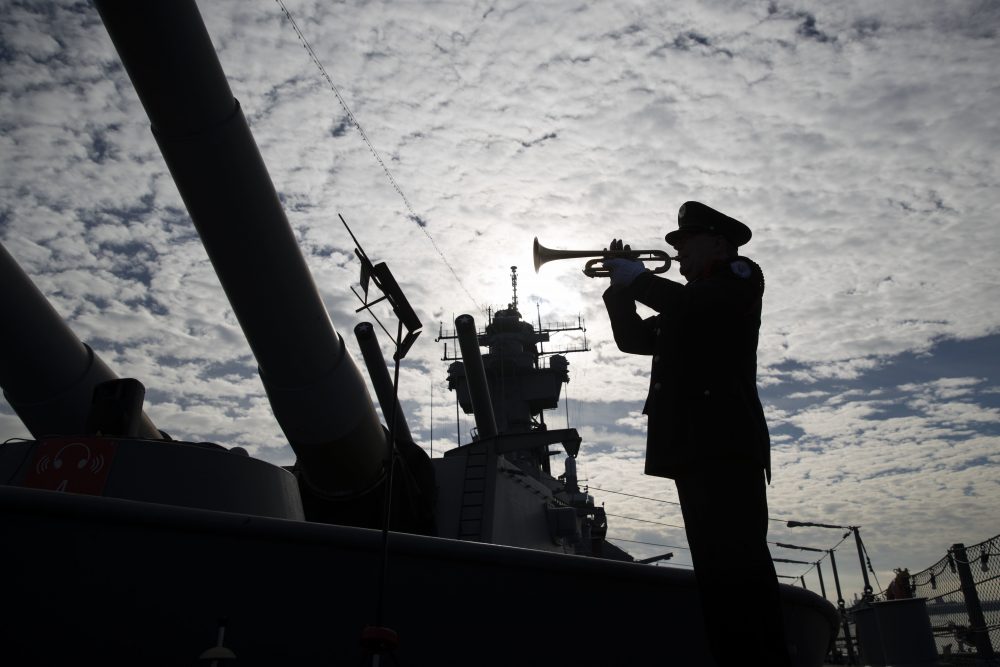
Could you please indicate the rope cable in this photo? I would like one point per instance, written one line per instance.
(652, 544)
(632, 518)
(868, 561)
(660, 500)
(420, 222)
(630, 495)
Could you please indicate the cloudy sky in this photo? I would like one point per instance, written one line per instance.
(857, 140)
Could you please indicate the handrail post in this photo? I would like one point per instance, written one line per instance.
(842, 610)
(868, 593)
(977, 621)
(819, 571)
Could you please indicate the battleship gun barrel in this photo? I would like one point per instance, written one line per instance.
(479, 388)
(48, 375)
(316, 391)
(379, 374)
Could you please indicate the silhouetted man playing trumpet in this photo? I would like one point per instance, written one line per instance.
(706, 427)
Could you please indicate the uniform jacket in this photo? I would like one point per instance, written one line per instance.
(703, 406)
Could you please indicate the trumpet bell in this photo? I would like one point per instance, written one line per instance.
(536, 254)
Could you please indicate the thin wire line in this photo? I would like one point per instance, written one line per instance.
(660, 500)
(420, 222)
(630, 495)
(652, 544)
(659, 523)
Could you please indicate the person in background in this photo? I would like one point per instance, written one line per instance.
(899, 588)
(706, 427)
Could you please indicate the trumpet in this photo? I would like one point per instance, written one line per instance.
(541, 255)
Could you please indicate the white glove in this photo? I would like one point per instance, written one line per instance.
(624, 271)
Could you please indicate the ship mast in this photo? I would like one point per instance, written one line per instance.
(513, 284)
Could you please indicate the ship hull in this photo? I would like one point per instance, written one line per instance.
(108, 581)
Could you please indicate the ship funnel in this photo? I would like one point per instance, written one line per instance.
(479, 388)
(47, 375)
(316, 391)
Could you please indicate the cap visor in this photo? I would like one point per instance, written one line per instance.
(675, 236)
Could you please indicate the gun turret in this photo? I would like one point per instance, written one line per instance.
(316, 391)
(47, 374)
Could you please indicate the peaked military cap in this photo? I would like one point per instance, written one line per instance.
(694, 216)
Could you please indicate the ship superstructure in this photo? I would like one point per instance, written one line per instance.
(508, 389)
(524, 378)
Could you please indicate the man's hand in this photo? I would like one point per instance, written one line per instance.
(624, 271)
(618, 245)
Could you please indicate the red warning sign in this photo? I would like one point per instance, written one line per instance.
(77, 465)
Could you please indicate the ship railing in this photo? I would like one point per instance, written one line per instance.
(962, 590)
(564, 326)
(566, 349)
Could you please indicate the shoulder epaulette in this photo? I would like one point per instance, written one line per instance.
(743, 268)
